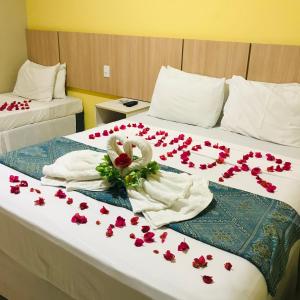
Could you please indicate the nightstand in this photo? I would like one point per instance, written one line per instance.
(114, 110)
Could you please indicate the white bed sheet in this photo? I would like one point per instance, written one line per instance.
(117, 257)
(38, 112)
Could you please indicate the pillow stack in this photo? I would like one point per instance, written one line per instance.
(39, 82)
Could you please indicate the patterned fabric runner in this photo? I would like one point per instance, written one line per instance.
(259, 229)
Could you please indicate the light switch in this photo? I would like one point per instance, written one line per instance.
(106, 71)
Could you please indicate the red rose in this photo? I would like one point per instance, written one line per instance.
(39, 202)
(123, 161)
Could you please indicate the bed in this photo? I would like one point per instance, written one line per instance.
(78, 262)
(44, 120)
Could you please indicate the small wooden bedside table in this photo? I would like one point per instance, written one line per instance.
(114, 110)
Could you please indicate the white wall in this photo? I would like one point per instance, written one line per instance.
(12, 41)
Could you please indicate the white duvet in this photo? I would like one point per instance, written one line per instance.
(117, 257)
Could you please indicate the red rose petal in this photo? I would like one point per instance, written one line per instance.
(209, 257)
(78, 219)
(149, 237)
(228, 266)
(138, 242)
(120, 222)
(15, 189)
(134, 220)
(169, 256)
(13, 179)
(163, 236)
(183, 246)
(69, 201)
(104, 211)
(207, 279)
(145, 228)
(60, 194)
(83, 206)
(39, 202)
(109, 232)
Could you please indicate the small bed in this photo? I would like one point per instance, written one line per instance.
(40, 122)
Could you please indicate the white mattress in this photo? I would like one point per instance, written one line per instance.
(36, 133)
(49, 240)
(39, 111)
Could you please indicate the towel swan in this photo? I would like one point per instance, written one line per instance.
(163, 198)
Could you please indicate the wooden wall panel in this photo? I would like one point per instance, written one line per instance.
(134, 62)
(274, 63)
(42, 47)
(218, 59)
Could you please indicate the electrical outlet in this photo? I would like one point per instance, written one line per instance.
(106, 71)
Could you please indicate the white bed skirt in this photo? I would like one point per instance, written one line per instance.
(36, 133)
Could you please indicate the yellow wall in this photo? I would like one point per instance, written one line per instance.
(12, 41)
(262, 21)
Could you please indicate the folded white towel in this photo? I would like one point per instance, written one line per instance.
(170, 197)
(163, 198)
(75, 170)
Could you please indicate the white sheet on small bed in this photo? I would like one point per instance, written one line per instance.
(117, 257)
(38, 112)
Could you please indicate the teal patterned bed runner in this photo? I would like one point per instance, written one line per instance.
(259, 229)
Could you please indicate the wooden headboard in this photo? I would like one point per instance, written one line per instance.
(218, 59)
(274, 63)
(42, 47)
(134, 62)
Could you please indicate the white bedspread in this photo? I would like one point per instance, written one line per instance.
(117, 257)
(39, 111)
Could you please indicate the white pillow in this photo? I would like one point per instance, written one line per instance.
(266, 111)
(36, 81)
(187, 98)
(59, 87)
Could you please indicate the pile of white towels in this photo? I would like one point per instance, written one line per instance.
(163, 198)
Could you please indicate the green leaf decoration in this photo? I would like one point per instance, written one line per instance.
(133, 179)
